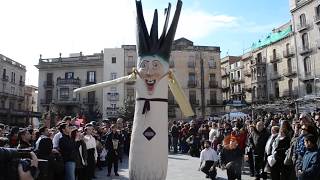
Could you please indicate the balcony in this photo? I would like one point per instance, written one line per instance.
(88, 82)
(248, 88)
(112, 112)
(192, 83)
(237, 80)
(247, 73)
(191, 64)
(302, 27)
(224, 74)
(290, 94)
(275, 76)
(317, 18)
(45, 101)
(76, 82)
(235, 93)
(225, 88)
(275, 58)
(48, 84)
(256, 62)
(68, 101)
(194, 102)
(21, 83)
(212, 102)
(213, 84)
(307, 76)
(90, 101)
(288, 53)
(305, 50)
(290, 72)
(113, 96)
(5, 78)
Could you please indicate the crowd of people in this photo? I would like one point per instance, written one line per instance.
(272, 146)
(67, 151)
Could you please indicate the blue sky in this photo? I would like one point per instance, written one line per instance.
(254, 19)
(34, 27)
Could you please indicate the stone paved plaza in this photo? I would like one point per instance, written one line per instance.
(181, 167)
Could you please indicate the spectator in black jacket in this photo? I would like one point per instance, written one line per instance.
(175, 136)
(112, 146)
(257, 141)
(68, 151)
(308, 168)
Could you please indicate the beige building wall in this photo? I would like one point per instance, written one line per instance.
(56, 89)
(247, 75)
(12, 84)
(306, 23)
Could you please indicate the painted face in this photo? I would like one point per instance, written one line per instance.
(151, 69)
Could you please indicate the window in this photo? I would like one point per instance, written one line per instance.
(13, 77)
(91, 76)
(192, 77)
(130, 62)
(13, 90)
(49, 96)
(69, 75)
(275, 67)
(288, 48)
(289, 65)
(191, 62)
(2, 104)
(64, 92)
(4, 74)
(290, 86)
(113, 106)
(309, 87)
(259, 57)
(130, 94)
(303, 20)
(307, 66)
(213, 97)
(113, 76)
(192, 96)
(113, 60)
(305, 41)
(276, 89)
(91, 96)
(318, 11)
(212, 77)
(274, 53)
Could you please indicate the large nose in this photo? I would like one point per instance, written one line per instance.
(148, 70)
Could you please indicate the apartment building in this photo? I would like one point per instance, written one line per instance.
(58, 77)
(31, 98)
(306, 25)
(113, 97)
(196, 67)
(12, 83)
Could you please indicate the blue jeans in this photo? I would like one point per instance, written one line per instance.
(69, 170)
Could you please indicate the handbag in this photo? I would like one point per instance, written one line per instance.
(288, 159)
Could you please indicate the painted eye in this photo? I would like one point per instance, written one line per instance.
(155, 65)
(143, 65)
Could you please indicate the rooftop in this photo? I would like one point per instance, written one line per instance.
(11, 62)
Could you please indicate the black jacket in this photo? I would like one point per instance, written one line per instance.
(67, 148)
(258, 141)
(109, 144)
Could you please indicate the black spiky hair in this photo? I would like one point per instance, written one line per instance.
(151, 44)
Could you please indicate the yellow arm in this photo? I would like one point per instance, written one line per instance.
(179, 95)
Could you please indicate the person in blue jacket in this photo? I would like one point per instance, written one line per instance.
(309, 166)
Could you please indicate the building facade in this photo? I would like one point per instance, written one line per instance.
(197, 68)
(58, 77)
(12, 84)
(306, 25)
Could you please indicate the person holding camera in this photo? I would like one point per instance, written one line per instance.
(26, 167)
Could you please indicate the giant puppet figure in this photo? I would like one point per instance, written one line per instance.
(148, 158)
